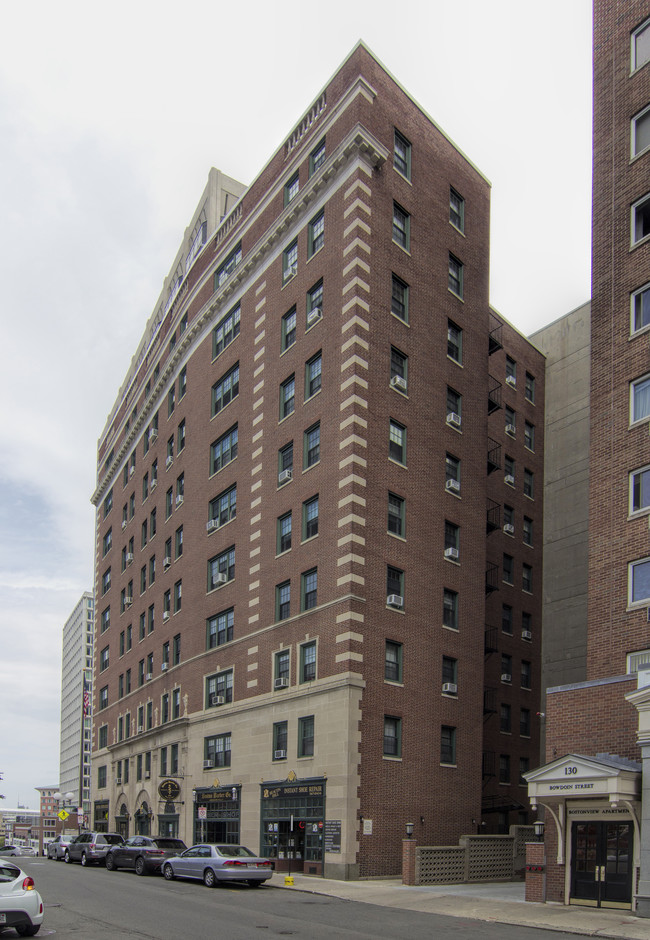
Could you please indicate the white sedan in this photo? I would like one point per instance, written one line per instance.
(21, 906)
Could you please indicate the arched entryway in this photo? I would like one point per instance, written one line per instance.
(122, 821)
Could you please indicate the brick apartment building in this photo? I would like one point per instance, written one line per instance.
(319, 511)
(598, 828)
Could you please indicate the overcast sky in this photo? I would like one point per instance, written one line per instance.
(110, 119)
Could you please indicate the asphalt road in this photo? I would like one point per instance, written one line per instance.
(93, 904)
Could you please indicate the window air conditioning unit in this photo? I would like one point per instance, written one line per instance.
(506, 677)
(279, 755)
(509, 479)
(147, 775)
(453, 485)
(140, 729)
(179, 500)
(453, 419)
(154, 484)
(285, 475)
(118, 781)
(208, 764)
(511, 430)
(124, 523)
(165, 667)
(509, 529)
(290, 271)
(167, 561)
(394, 600)
(129, 557)
(217, 699)
(314, 314)
(212, 525)
(165, 616)
(451, 553)
(149, 676)
(398, 382)
(128, 600)
(526, 635)
(221, 577)
(281, 683)
(511, 381)
(131, 470)
(450, 688)
(153, 435)
(169, 462)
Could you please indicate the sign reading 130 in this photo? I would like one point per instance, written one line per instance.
(571, 769)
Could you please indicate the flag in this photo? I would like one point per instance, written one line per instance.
(86, 698)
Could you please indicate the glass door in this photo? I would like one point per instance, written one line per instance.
(601, 864)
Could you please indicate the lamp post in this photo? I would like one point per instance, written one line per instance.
(64, 801)
(409, 830)
(538, 826)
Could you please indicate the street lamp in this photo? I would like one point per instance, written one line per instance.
(409, 830)
(538, 826)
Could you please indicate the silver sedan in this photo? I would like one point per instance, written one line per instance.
(213, 863)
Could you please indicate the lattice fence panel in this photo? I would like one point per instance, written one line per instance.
(522, 835)
(489, 858)
(444, 865)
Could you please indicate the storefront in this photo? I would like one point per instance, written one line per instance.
(169, 792)
(122, 821)
(292, 821)
(594, 806)
(217, 812)
(100, 816)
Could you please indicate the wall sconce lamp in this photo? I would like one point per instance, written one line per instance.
(538, 826)
(409, 830)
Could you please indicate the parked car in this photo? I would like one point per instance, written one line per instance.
(8, 850)
(143, 853)
(212, 863)
(28, 850)
(21, 906)
(56, 848)
(90, 848)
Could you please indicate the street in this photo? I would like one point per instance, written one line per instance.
(96, 905)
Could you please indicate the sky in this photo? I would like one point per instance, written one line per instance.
(110, 119)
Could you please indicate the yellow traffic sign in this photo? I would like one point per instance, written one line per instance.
(63, 815)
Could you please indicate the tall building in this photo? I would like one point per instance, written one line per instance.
(592, 783)
(76, 720)
(319, 511)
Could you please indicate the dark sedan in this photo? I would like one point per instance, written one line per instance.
(142, 853)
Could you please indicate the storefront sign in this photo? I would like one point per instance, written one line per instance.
(301, 789)
(169, 790)
(332, 832)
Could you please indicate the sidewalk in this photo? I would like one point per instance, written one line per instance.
(497, 902)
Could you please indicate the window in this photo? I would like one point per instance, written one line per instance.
(167, 560)
(317, 157)
(103, 697)
(217, 750)
(396, 515)
(508, 519)
(280, 740)
(287, 397)
(178, 596)
(528, 531)
(103, 736)
(289, 329)
(393, 661)
(143, 534)
(220, 628)
(225, 390)
(640, 490)
(450, 609)
(506, 667)
(182, 382)
(447, 745)
(223, 507)
(529, 435)
(511, 421)
(143, 626)
(313, 375)
(454, 342)
(282, 665)
(311, 446)
(511, 372)
(226, 330)
(524, 722)
(164, 711)
(308, 589)
(291, 188)
(452, 473)
(308, 662)
(169, 502)
(528, 483)
(176, 704)
(310, 518)
(505, 720)
(400, 299)
(283, 600)
(290, 261)
(105, 619)
(402, 155)
(640, 399)
(506, 619)
(163, 761)
(306, 736)
(170, 452)
(449, 674)
(101, 777)
(401, 227)
(455, 278)
(504, 768)
(454, 407)
(529, 388)
(129, 637)
(103, 659)
(640, 308)
(316, 234)
(525, 674)
(165, 654)
(524, 767)
(526, 626)
(640, 132)
(108, 540)
(223, 450)
(314, 304)
(456, 209)
(285, 462)
(639, 582)
(173, 759)
(641, 45)
(398, 370)
(508, 569)
(171, 400)
(122, 643)
(226, 268)
(179, 541)
(283, 537)
(221, 569)
(106, 581)
(219, 687)
(452, 540)
(143, 580)
(392, 736)
(394, 586)
(397, 442)
(509, 470)
(640, 220)
(108, 502)
(181, 436)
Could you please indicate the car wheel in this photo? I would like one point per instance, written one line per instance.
(84, 859)
(110, 863)
(140, 866)
(254, 884)
(27, 930)
(209, 878)
(66, 857)
(168, 872)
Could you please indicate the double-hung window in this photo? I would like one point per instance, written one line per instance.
(217, 750)
(280, 740)
(529, 435)
(314, 303)
(393, 661)
(308, 661)
(640, 308)
(226, 268)
(316, 234)
(309, 589)
(450, 609)
(290, 261)
(220, 628)
(402, 155)
(447, 745)
(640, 399)
(287, 397)
(310, 518)
(455, 279)
(225, 390)
(313, 374)
(392, 736)
(283, 600)
(454, 342)
(527, 578)
(398, 370)
(529, 483)
(284, 533)
(397, 442)
(223, 507)
(456, 209)
(640, 132)
(396, 515)
(306, 736)
(221, 569)
(219, 687)
(223, 450)
(640, 219)
(289, 329)
(400, 298)
(394, 586)
(639, 582)
(401, 227)
(640, 490)
(291, 188)
(640, 49)
(311, 447)
(226, 330)
(317, 157)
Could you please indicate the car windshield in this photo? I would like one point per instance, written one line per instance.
(8, 873)
(176, 844)
(234, 851)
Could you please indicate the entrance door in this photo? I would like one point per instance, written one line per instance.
(601, 864)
